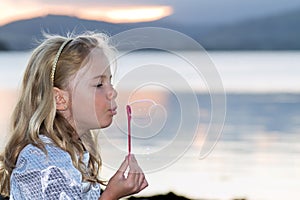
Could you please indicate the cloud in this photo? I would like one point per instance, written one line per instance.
(126, 14)
(107, 3)
(184, 12)
(114, 11)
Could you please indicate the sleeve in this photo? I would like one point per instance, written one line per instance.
(39, 177)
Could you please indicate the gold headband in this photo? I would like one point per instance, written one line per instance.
(56, 60)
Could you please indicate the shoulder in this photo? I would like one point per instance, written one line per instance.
(31, 158)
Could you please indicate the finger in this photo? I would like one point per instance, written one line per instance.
(133, 164)
(123, 166)
(144, 184)
(133, 167)
(136, 169)
(141, 179)
(137, 181)
(131, 159)
(135, 177)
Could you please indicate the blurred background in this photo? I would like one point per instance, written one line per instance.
(255, 47)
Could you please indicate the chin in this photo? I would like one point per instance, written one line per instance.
(106, 124)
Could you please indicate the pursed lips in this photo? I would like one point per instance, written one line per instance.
(113, 110)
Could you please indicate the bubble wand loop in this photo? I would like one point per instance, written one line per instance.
(129, 128)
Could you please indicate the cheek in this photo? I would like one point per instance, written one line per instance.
(100, 102)
(103, 117)
(83, 109)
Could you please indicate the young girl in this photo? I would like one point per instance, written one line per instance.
(66, 92)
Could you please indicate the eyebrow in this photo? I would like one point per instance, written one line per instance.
(101, 76)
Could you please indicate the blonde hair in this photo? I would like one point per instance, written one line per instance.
(35, 112)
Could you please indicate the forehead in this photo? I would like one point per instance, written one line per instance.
(96, 63)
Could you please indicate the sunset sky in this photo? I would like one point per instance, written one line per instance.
(118, 11)
(12, 10)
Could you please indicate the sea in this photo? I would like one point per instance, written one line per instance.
(216, 125)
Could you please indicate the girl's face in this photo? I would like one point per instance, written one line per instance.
(93, 96)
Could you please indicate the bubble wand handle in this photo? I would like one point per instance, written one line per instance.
(128, 109)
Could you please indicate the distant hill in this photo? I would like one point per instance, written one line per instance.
(21, 35)
(278, 32)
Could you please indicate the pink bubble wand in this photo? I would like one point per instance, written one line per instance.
(128, 108)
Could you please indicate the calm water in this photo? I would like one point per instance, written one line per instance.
(257, 155)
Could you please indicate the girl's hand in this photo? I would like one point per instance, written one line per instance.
(120, 186)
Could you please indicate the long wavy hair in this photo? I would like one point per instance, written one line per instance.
(35, 112)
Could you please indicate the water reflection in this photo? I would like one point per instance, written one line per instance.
(260, 145)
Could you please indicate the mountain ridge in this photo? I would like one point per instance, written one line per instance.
(276, 32)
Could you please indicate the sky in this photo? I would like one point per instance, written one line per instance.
(118, 11)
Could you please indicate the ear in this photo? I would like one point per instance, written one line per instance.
(61, 98)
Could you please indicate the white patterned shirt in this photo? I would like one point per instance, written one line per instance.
(38, 176)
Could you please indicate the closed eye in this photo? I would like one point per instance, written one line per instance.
(99, 85)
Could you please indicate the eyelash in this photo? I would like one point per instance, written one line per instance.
(99, 85)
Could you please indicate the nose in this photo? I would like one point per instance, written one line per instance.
(112, 93)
